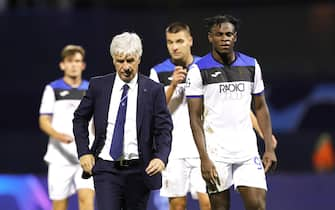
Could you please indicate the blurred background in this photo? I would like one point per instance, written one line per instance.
(294, 42)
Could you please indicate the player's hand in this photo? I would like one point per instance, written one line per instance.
(179, 75)
(155, 166)
(269, 161)
(67, 139)
(87, 162)
(208, 171)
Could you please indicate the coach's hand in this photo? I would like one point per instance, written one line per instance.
(155, 166)
(87, 162)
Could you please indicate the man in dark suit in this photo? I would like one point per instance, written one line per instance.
(132, 130)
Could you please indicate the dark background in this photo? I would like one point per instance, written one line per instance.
(294, 43)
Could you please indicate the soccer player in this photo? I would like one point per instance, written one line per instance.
(219, 90)
(182, 173)
(60, 99)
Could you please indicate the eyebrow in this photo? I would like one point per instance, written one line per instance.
(125, 59)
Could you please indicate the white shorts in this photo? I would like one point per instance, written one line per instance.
(182, 176)
(249, 173)
(64, 181)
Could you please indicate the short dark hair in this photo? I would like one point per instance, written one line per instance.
(70, 50)
(177, 27)
(218, 19)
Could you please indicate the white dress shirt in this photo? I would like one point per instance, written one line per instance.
(130, 148)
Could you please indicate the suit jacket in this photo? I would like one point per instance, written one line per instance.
(153, 121)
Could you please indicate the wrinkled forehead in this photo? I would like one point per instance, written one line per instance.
(123, 56)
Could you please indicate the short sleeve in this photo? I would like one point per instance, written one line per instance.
(194, 86)
(258, 86)
(48, 101)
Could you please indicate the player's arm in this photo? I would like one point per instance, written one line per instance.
(46, 127)
(195, 112)
(178, 76)
(255, 125)
(195, 107)
(264, 121)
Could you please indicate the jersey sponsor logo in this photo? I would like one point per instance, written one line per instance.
(232, 87)
(234, 91)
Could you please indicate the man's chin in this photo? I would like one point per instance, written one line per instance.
(126, 79)
(74, 76)
(178, 60)
(177, 57)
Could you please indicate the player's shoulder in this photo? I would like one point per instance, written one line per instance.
(244, 59)
(85, 82)
(57, 84)
(165, 66)
(84, 85)
(196, 58)
(207, 62)
(61, 84)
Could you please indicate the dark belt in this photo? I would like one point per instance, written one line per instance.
(127, 163)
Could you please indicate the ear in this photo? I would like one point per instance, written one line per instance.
(209, 36)
(83, 66)
(235, 35)
(61, 66)
(139, 60)
(191, 41)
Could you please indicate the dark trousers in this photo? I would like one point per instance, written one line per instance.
(120, 187)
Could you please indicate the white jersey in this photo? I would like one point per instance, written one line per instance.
(227, 93)
(183, 145)
(60, 101)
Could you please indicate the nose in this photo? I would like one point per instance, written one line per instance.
(125, 65)
(225, 37)
(174, 47)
